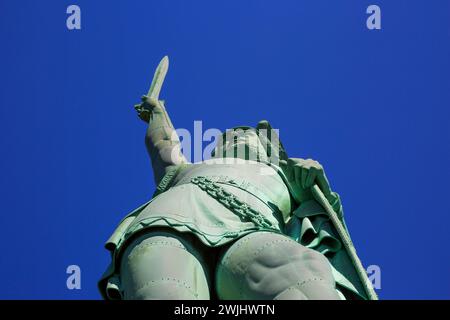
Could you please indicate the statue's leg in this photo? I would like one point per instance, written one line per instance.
(163, 265)
(265, 265)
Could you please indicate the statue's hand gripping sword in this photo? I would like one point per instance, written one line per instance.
(151, 100)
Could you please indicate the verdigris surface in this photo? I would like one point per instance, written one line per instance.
(249, 223)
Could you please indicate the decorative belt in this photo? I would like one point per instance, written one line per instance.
(243, 210)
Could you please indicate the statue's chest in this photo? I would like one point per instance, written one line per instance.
(256, 179)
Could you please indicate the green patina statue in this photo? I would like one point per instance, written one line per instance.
(249, 223)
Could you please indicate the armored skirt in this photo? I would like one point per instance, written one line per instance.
(220, 201)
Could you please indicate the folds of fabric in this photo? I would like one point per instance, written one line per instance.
(311, 227)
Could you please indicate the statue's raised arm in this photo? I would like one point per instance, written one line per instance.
(161, 139)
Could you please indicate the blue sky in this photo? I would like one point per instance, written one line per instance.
(371, 105)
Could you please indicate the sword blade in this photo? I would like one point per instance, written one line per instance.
(158, 78)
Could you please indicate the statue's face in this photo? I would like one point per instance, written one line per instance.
(241, 142)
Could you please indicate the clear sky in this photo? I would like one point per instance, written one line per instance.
(371, 105)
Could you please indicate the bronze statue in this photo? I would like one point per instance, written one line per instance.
(254, 224)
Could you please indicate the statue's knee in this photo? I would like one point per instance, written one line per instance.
(307, 267)
(268, 265)
(282, 253)
(311, 278)
(315, 264)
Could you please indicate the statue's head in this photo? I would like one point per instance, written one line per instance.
(259, 144)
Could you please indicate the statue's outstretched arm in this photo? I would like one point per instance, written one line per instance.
(161, 139)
